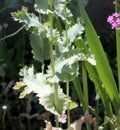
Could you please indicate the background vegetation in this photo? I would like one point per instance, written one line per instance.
(15, 52)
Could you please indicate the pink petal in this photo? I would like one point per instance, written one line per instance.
(63, 118)
(115, 14)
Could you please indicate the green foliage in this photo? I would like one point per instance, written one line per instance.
(64, 56)
(29, 19)
(16, 3)
(12, 4)
(65, 47)
(40, 46)
(37, 83)
(97, 49)
(41, 6)
(6, 60)
(2, 68)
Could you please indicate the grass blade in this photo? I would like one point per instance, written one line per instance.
(102, 65)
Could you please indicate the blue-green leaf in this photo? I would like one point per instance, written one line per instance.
(29, 19)
(40, 46)
(42, 6)
(37, 83)
(75, 30)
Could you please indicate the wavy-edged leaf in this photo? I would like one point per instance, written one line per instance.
(29, 19)
(40, 46)
(42, 6)
(37, 83)
(75, 30)
(65, 15)
(18, 85)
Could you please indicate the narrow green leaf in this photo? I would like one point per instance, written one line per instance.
(85, 85)
(78, 88)
(103, 95)
(117, 9)
(102, 65)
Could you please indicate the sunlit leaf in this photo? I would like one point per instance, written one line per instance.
(66, 65)
(74, 31)
(23, 94)
(18, 85)
(102, 64)
(65, 15)
(37, 83)
(29, 19)
(73, 105)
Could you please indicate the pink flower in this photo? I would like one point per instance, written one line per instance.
(63, 118)
(118, 21)
(110, 19)
(114, 25)
(116, 14)
(114, 20)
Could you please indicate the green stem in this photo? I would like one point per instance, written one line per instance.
(52, 59)
(43, 67)
(51, 39)
(53, 62)
(3, 9)
(23, 51)
(67, 83)
(13, 34)
(88, 126)
(66, 28)
(68, 110)
(3, 119)
(117, 9)
(78, 89)
(56, 103)
(42, 44)
(85, 89)
(85, 85)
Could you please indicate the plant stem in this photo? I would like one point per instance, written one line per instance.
(13, 34)
(67, 83)
(68, 110)
(3, 119)
(43, 67)
(53, 62)
(55, 85)
(66, 27)
(85, 88)
(85, 85)
(3, 9)
(51, 39)
(88, 126)
(117, 9)
(56, 103)
(42, 44)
